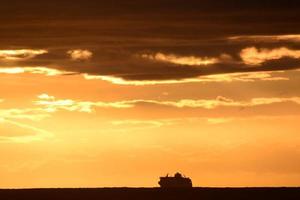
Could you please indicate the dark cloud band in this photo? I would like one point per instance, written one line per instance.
(117, 32)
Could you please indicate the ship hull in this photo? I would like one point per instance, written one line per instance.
(175, 183)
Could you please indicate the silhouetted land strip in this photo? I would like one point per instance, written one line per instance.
(152, 193)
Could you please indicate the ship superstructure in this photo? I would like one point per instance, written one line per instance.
(176, 181)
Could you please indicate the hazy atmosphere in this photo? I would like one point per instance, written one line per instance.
(118, 93)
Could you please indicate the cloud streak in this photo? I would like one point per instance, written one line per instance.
(51, 104)
(21, 54)
(33, 70)
(150, 69)
(266, 38)
(15, 132)
(241, 77)
(254, 56)
(80, 54)
(34, 114)
(180, 60)
(160, 42)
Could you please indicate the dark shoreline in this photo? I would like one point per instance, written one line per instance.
(202, 193)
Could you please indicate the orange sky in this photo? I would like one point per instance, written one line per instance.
(59, 144)
(118, 93)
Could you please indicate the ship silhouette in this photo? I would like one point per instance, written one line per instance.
(176, 181)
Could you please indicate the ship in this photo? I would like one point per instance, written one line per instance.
(176, 181)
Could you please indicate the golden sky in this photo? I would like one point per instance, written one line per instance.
(118, 94)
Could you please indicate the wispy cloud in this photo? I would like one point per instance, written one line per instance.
(266, 38)
(21, 54)
(161, 68)
(220, 101)
(242, 77)
(34, 114)
(80, 54)
(134, 125)
(52, 104)
(254, 56)
(16, 132)
(181, 60)
(219, 120)
(33, 70)
(12, 131)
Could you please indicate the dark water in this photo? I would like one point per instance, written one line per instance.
(152, 194)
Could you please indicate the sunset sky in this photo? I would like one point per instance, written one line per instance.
(117, 93)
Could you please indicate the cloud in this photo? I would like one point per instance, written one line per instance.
(180, 60)
(46, 97)
(80, 54)
(219, 101)
(34, 114)
(21, 54)
(142, 124)
(196, 120)
(33, 70)
(254, 56)
(266, 38)
(242, 77)
(219, 120)
(184, 41)
(133, 125)
(16, 132)
(223, 101)
(51, 104)
(166, 68)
